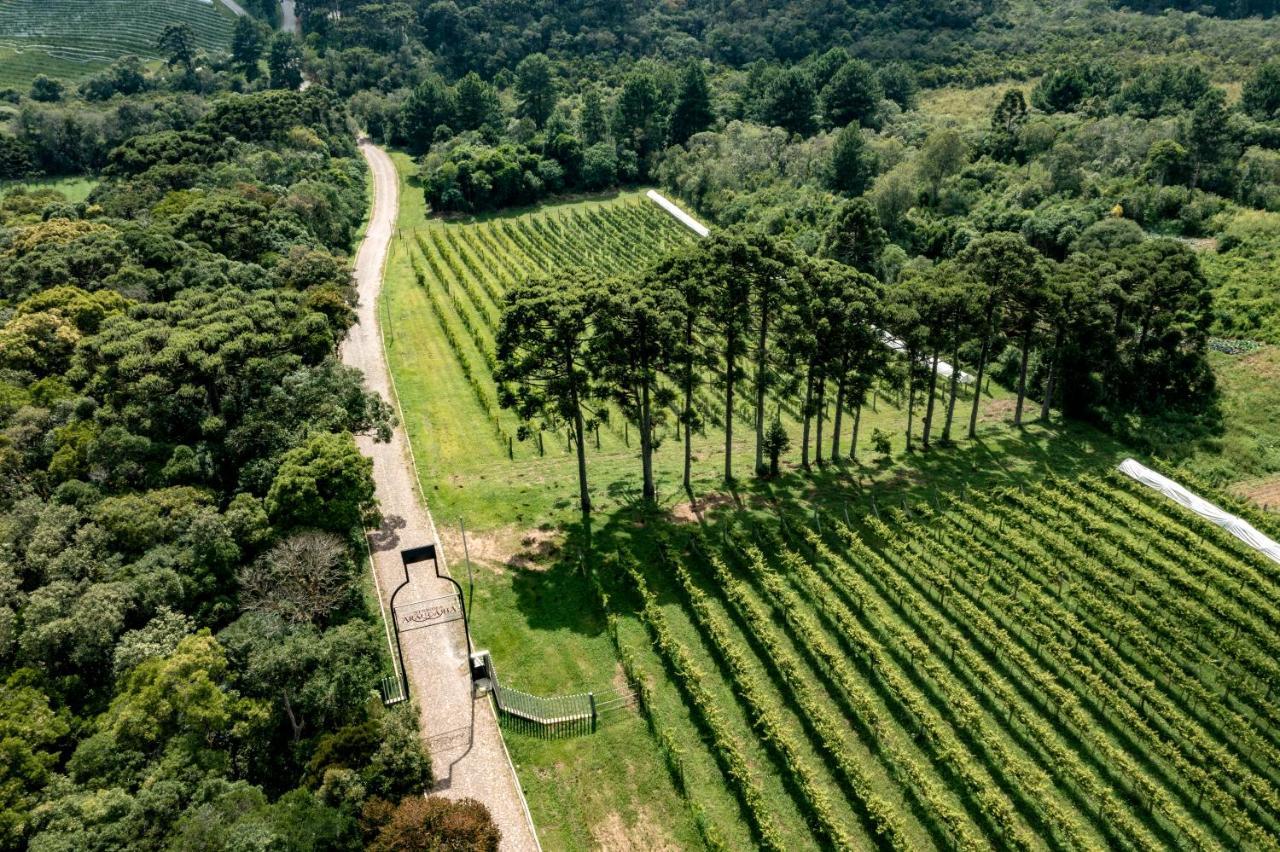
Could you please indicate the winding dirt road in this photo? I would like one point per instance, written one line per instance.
(461, 732)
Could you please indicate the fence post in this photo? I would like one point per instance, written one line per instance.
(471, 585)
(591, 698)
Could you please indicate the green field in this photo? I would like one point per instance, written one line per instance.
(67, 39)
(72, 189)
(445, 280)
(948, 741)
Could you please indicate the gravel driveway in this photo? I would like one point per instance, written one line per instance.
(467, 751)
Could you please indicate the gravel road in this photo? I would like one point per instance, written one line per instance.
(467, 751)
(289, 18)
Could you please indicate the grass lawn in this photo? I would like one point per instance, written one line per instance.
(73, 189)
(1245, 455)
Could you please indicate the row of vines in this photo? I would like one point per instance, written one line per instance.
(466, 269)
(1079, 664)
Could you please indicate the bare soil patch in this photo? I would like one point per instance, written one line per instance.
(527, 549)
(646, 833)
(998, 410)
(696, 510)
(1263, 492)
(1201, 243)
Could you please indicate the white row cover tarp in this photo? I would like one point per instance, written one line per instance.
(944, 369)
(674, 209)
(1238, 527)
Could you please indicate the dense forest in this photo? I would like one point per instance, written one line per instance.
(187, 654)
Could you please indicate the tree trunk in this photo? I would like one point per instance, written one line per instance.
(982, 367)
(1052, 375)
(911, 393)
(646, 442)
(688, 405)
(580, 438)
(857, 421)
(762, 341)
(730, 373)
(821, 416)
(839, 415)
(808, 414)
(295, 724)
(933, 390)
(951, 395)
(1022, 376)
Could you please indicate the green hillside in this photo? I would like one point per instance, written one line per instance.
(69, 39)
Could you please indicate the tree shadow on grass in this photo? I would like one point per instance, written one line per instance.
(558, 594)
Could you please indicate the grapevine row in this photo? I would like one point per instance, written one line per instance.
(689, 677)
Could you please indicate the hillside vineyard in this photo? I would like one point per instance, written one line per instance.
(556, 426)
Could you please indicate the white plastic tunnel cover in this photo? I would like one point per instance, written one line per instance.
(1238, 527)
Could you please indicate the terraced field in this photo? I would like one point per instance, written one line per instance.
(73, 38)
(1077, 665)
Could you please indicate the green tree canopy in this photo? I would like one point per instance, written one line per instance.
(326, 483)
(1261, 94)
(853, 95)
(853, 163)
(854, 236)
(543, 351)
(692, 112)
(284, 61)
(789, 102)
(535, 88)
(247, 44)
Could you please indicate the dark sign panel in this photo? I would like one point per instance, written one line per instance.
(418, 554)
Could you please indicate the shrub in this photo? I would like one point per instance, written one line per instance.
(436, 824)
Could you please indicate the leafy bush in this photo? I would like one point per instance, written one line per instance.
(436, 824)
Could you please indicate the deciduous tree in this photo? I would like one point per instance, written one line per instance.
(302, 579)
